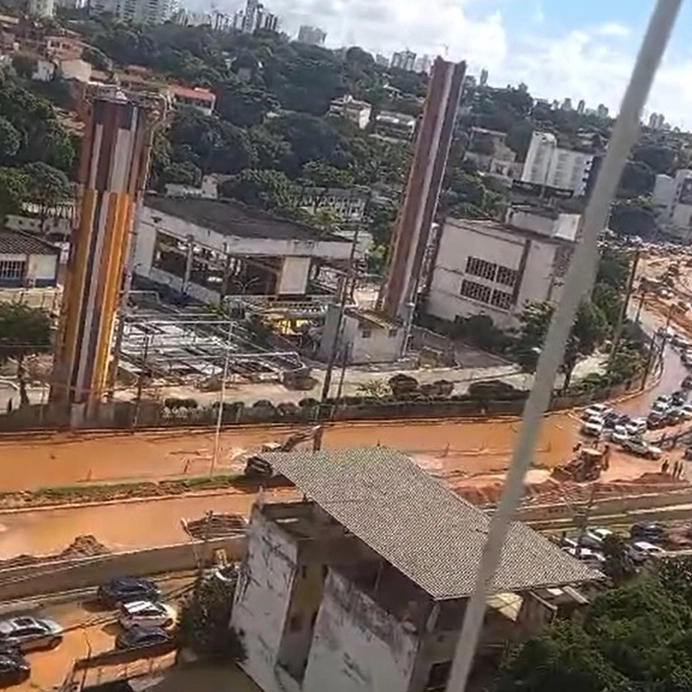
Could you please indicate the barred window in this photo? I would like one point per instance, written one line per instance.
(502, 300)
(476, 291)
(479, 267)
(507, 276)
(12, 270)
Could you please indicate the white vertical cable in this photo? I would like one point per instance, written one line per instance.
(578, 282)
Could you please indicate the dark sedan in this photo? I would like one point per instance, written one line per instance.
(139, 637)
(14, 668)
(125, 590)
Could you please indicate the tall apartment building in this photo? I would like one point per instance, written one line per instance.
(404, 60)
(137, 11)
(42, 8)
(312, 35)
(548, 165)
(673, 202)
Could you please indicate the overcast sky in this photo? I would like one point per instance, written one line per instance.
(576, 48)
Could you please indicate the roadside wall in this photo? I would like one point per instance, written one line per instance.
(127, 415)
(64, 575)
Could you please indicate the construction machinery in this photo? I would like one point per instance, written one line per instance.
(257, 467)
(586, 466)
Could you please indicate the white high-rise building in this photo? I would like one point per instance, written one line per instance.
(42, 8)
(673, 203)
(137, 11)
(405, 60)
(311, 35)
(549, 165)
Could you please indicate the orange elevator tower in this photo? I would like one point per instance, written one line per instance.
(113, 172)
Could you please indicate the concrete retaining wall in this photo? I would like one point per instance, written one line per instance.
(605, 507)
(64, 575)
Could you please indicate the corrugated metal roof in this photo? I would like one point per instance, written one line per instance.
(17, 243)
(419, 525)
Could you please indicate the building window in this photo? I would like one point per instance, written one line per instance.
(475, 291)
(479, 267)
(438, 675)
(502, 300)
(507, 276)
(12, 270)
(366, 333)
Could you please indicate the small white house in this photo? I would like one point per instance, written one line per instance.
(357, 112)
(27, 261)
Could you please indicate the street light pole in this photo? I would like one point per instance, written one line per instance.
(222, 396)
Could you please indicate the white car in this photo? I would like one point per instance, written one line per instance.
(590, 557)
(636, 426)
(599, 410)
(599, 535)
(619, 434)
(592, 428)
(661, 407)
(146, 614)
(641, 448)
(642, 550)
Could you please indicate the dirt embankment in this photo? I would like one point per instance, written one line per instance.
(82, 546)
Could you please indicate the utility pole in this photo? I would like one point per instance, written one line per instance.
(222, 395)
(143, 371)
(339, 327)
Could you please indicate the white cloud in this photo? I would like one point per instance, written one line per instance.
(613, 30)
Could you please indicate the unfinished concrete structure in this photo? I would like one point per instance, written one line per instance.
(363, 586)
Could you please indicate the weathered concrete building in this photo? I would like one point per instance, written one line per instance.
(364, 585)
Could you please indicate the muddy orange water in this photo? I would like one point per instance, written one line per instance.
(449, 448)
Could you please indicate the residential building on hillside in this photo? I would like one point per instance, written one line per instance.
(208, 249)
(137, 11)
(495, 269)
(395, 125)
(673, 203)
(312, 35)
(357, 112)
(500, 161)
(347, 203)
(549, 165)
(27, 261)
(364, 585)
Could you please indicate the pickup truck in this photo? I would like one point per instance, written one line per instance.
(641, 448)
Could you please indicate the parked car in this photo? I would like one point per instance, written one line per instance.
(138, 637)
(679, 398)
(643, 550)
(674, 416)
(619, 434)
(599, 534)
(14, 668)
(600, 410)
(647, 531)
(29, 633)
(592, 428)
(661, 405)
(590, 557)
(636, 426)
(641, 448)
(610, 420)
(654, 421)
(126, 589)
(146, 614)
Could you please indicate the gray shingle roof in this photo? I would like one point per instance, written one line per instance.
(17, 243)
(419, 525)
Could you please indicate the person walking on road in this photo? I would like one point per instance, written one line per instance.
(665, 466)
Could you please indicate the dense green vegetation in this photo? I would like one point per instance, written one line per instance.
(36, 152)
(633, 638)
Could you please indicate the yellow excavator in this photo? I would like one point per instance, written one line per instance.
(257, 467)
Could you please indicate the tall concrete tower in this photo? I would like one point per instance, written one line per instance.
(422, 193)
(113, 172)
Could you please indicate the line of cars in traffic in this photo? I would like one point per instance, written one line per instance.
(602, 422)
(643, 544)
(145, 621)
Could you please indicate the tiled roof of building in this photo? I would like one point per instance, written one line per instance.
(419, 525)
(18, 243)
(232, 218)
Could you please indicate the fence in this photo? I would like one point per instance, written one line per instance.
(186, 412)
